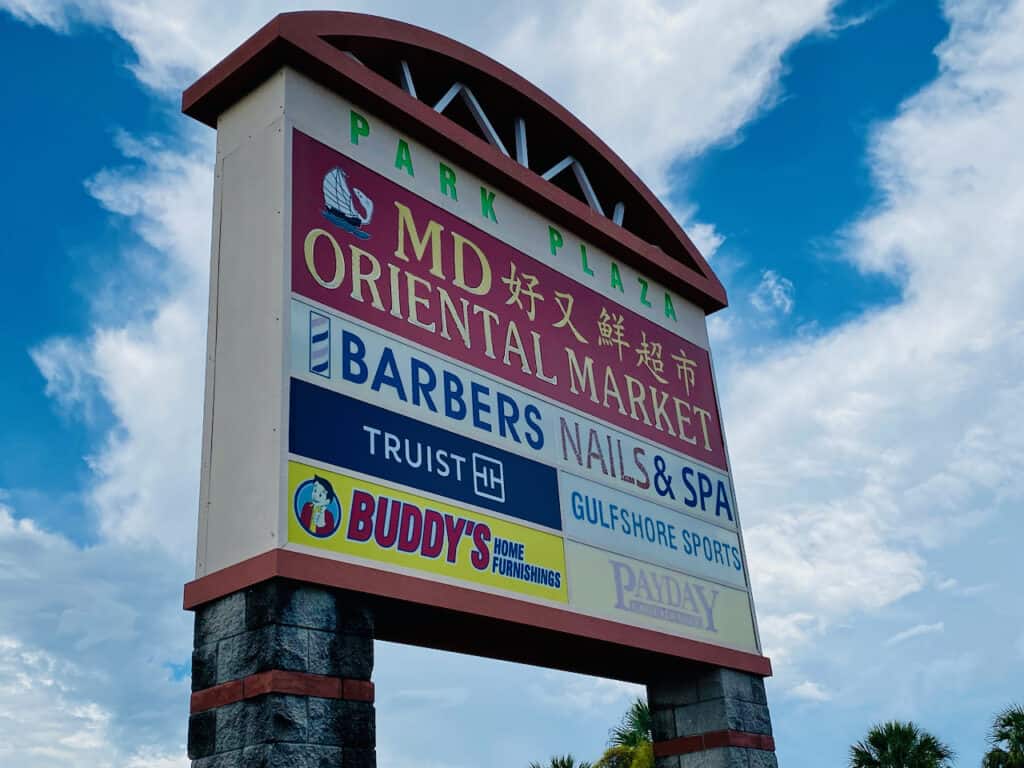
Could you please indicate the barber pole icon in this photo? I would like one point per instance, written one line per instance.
(320, 344)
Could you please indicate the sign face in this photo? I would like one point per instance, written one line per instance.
(470, 403)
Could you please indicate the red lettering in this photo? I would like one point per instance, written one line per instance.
(454, 528)
(410, 531)
(385, 530)
(433, 533)
(360, 519)
(639, 453)
(481, 556)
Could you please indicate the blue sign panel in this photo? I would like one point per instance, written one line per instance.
(339, 430)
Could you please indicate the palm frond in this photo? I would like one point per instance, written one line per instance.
(900, 745)
(635, 728)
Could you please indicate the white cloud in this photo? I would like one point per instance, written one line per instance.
(860, 450)
(810, 691)
(70, 380)
(773, 294)
(85, 637)
(444, 698)
(585, 695)
(147, 363)
(916, 631)
(953, 586)
(661, 82)
(658, 81)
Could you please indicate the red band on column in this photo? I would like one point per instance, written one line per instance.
(684, 745)
(280, 681)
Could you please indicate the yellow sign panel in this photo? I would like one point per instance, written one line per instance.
(369, 520)
(632, 592)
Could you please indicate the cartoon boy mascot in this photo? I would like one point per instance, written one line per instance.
(315, 516)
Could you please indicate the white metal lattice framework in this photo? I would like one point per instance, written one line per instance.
(472, 103)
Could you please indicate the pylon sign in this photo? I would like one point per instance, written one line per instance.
(458, 360)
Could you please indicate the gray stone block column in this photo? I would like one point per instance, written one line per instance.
(281, 679)
(711, 717)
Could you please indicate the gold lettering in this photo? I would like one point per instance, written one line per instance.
(704, 416)
(683, 421)
(538, 360)
(339, 258)
(394, 273)
(514, 345)
(432, 237)
(611, 389)
(490, 320)
(411, 281)
(581, 376)
(658, 405)
(637, 395)
(448, 310)
(459, 280)
(359, 276)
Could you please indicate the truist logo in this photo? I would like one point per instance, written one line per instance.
(663, 596)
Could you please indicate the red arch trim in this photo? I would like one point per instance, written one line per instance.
(301, 41)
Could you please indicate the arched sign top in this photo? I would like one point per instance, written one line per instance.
(480, 113)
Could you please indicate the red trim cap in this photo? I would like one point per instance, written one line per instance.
(360, 57)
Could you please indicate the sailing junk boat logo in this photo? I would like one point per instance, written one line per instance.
(339, 207)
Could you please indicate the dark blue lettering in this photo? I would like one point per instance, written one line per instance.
(722, 502)
(454, 405)
(535, 435)
(387, 373)
(691, 498)
(480, 408)
(353, 358)
(508, 415)
(704, 483)
(423, 386)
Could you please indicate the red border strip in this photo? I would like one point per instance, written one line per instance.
(300, 40)
(686, 745)
(282, 563)
(281, 681)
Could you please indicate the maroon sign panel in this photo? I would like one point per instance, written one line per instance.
(366, 246)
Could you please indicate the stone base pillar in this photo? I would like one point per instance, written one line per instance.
(281, 679)
(711, 718)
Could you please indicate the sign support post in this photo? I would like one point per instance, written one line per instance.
(712, 718)
(460, 395)
(281, 677)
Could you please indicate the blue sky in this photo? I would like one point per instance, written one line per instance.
(851, 170)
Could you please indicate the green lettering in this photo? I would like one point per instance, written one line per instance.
(670, 311)
(359, 127)
(617, 278)
(487, 204)
(448, 182)
(555, 239)
(643, 292)
(403, 158)
(583, 261)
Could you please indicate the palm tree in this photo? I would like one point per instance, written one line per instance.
(630, 743)
(900, 745)
(561, 761)
(1006, 739)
